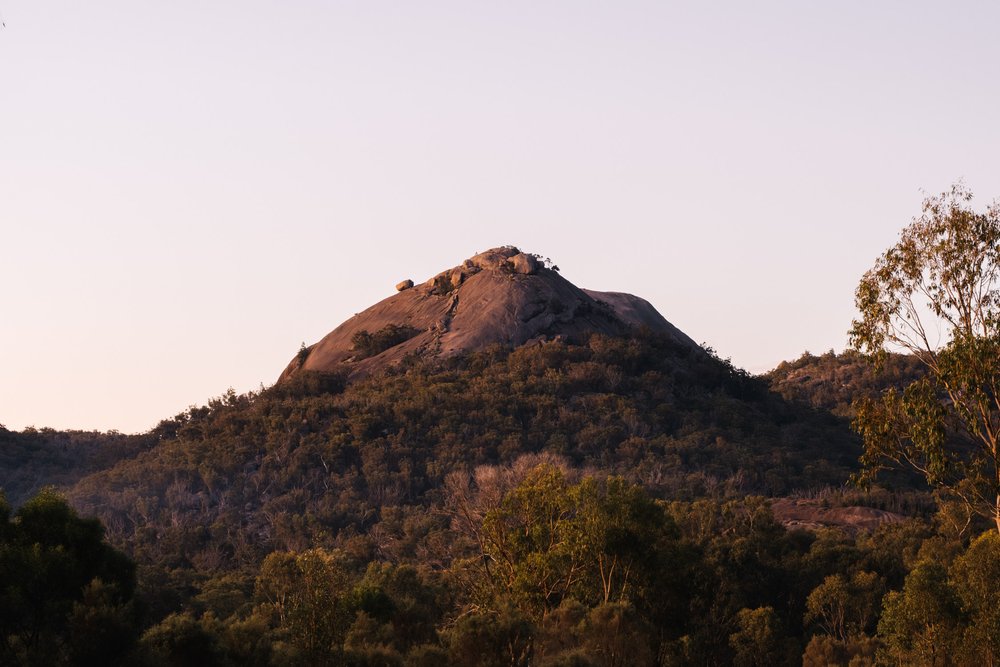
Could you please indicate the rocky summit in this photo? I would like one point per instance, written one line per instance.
(501, 296)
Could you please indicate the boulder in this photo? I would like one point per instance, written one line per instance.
(524, 263)
(492, 259)
(406, 284)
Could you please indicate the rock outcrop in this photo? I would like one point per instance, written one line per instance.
(501, 296)
(808, 514)
(523, 263)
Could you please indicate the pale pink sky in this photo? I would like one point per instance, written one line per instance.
(188, 190)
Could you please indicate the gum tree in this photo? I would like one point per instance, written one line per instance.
(935, 295)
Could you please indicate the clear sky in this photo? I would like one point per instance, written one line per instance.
(189, 190)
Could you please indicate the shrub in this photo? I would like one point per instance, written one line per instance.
(369, 344)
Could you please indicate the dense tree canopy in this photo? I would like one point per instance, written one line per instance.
(561, 504)
(65, 594)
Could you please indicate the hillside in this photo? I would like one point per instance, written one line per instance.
(35, 458)
(832, 381)
(289, 466)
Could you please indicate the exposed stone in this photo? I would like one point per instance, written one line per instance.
(492, 259)
(475, 305)
(530, 310)
(446, 282)
(524, 263)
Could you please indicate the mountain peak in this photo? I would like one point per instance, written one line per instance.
(500, 296)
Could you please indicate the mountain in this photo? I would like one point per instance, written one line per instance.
(406, 472)
(494, 359)
(499, 297)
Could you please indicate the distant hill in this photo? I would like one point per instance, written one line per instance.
(35, 458)
(832, 381)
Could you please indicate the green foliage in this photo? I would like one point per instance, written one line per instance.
(758, 640)
(939, 279)
(65, 594)
(441, 514)
(306, 594)
(598, 542)
(369, 344)
(921, 624)
(308, 383)
(615, 634)
(310, 459)
(833, 382)
(845, 607)
(975, 575)
(35, 458)
(180, 640)
(402, 608)
(579, 570)
(824, 650)
(101, 628)
(501, 639)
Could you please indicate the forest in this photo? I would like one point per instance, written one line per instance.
(596, 504)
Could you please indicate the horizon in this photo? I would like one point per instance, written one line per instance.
(187, 193)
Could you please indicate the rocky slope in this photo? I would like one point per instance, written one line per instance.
(501, 296)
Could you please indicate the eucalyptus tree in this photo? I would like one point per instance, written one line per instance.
(935, 295)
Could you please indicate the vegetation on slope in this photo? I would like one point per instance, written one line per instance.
(65, 594)
(832, 382)
(558, 504)
(35, 458)
(541, 563)
(283, 470)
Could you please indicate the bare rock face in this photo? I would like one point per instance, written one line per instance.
(811, 515)
(499, 296)
(525, 264)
